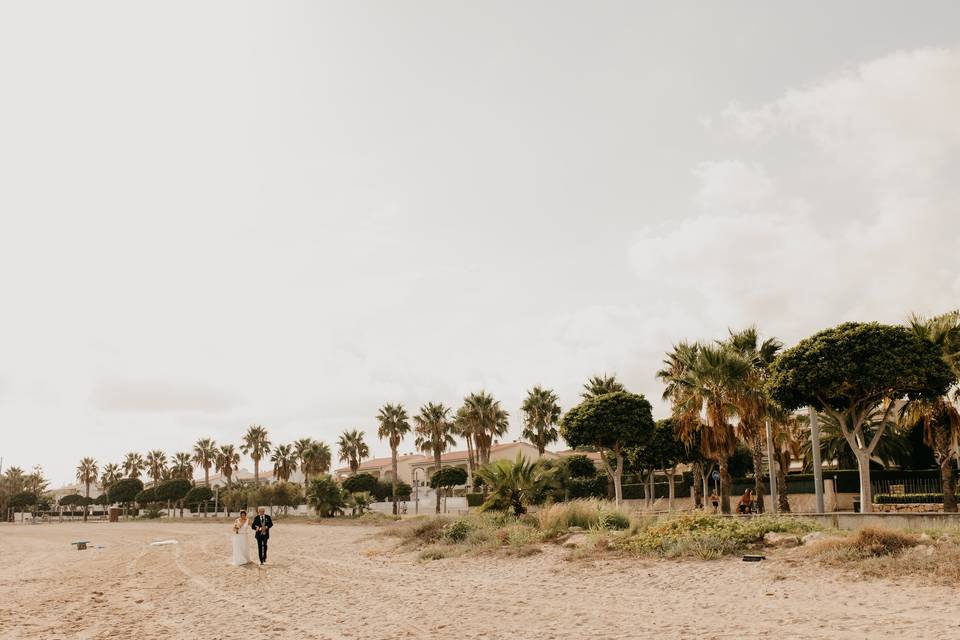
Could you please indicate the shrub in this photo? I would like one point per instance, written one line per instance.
(587, 487)
(198, 495)
(474, 499)
(613, 520)
(909, 498)
(326, 496)
(559, 517)
(146, 496)
(580, 466)
(457, 530)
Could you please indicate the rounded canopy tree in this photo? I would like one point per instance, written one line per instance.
(850, 370)
(360, 483)
(447, 477)
(611, 422)
(198, 495)
(125, 491)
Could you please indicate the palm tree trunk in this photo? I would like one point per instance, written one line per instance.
(724, 485)
(256, 471)
(782, 500)
(206, 476)
(697, 469)
(471, 464)
(88, 497)
(393, 465)
(669, 473)
(949, 484)
(759, 488)
(436, 463)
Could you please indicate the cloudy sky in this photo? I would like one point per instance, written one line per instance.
(217, 214)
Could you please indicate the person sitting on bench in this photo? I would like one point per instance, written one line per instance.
(746, 502)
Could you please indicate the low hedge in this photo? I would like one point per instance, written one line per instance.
(908, 498)
(474, 499)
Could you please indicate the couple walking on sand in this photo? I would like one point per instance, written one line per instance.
(261, 525)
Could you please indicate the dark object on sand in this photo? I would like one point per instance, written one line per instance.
(751, 558)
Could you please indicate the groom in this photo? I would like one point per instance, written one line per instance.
(261, 527)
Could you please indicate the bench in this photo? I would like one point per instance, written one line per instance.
(81, 544)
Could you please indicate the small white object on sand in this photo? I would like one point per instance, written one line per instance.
(161, 543)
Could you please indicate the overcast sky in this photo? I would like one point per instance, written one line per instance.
(217, 214)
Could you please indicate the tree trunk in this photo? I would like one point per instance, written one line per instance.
(759, 488)
(697, 479)
(436, 462)
(782, 489)
(866, 491)
(724, 486)
(707, 472)
(669, 473)
(653, 488)
(471, 463)
(206, 476)
(949, 485)
(393, 465)
(85, 507)
(256, 472)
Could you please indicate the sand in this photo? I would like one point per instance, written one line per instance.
(335, 581)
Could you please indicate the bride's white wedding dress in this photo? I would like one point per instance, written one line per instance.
(241, 544)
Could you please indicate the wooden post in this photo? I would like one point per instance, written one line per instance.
(815, 448)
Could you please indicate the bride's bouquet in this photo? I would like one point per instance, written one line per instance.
(236, 528)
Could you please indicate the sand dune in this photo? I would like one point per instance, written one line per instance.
(336, 582)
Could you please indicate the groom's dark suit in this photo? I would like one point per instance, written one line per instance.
(264, 522)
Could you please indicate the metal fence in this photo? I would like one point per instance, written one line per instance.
(901, 486)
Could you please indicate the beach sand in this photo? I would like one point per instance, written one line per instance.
(337, 581)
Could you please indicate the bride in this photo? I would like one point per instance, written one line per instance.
(241, 542)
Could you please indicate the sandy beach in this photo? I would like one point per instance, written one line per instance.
(326, 581)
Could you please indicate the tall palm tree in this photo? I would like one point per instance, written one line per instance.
(227, 461)
(600, 385)
(464, 427)
(353, 448)
(300, 448)
(394, 425)
(133, 465)
(256, 445)
(541, 412)
(86, 475)
(315, 460)
(753, 407)
(433, 429)
(284, 461)
(204, 454)
(181, 466)
(707, 387)
(940, 417)
(686, 419)
(789, 436)
(109, 475)
(489, 421)
(157, 465)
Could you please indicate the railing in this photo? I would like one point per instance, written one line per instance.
(902, 486)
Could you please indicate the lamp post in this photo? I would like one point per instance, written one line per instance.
(416, 492)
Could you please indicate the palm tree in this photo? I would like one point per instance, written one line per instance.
(686, 419)
(707, 387)
(514, 484)
(433, 429)
(489, 421)
(892, 449)
(463, 427)
(314, 457)
(227, 461)
(789, 436)
(133, 465)
(257, 446)
(157, 465)
(353, 448)
(284, 462)
(86, 475)
(940, 418)
(541, 412)
(109, 475)
(600, 385)
(204, 454)
(750, 399)
(394, 425)
(181, 466)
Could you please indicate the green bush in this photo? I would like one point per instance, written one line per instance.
(360, 483)
(580, 466)
(457, 531)
(613, 520)
(474, 499)
(909, 498)
(588, 487)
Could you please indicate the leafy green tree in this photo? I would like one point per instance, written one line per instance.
(146, 497)
(514, 485)
(198, 495)
(666, 452)
(447, 478)
(174, 491)
(580, 466)
(384, 490)
(394, 425)
(86, 475)
(284, 461)
(849, 370)
(326, 496)
(611, 422)
(205, 456)
(434, 429)
(360, 483)
(541, 412)
(597, 386)
(287, 494)
(125, 491)
(353, 448)
(256, 444)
